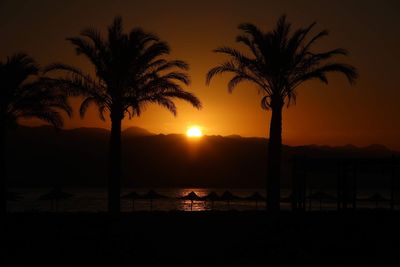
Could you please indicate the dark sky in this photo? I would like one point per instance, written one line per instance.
(336, 114)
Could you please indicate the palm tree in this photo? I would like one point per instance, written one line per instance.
(24, 95)
(131, 72)
(279, 62)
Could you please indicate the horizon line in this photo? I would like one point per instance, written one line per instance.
(220, 135)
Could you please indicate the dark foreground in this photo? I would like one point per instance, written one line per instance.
(367, 238)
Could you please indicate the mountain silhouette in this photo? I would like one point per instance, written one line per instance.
(42, 156)
(136, 131)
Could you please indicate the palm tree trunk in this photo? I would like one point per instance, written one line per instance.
(3, 170)
(274, 156)
(114, 171)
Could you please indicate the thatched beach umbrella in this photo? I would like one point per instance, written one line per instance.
(132, 196)
(320, 196)
(54, 196)
(228, 197)
(152, 195)
(212, 196)
(256, 197)
(192, 196)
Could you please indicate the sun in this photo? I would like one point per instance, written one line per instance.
(194, 132)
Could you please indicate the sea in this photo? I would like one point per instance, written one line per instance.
(95, 200)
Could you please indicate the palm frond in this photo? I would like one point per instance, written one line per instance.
(29, 96)
(252, 30)
(115, 31)
(228, 66)
(318, 36)
(348, 70)
(281, 59)
(50, 116)
(93, 100)
(166, 103)
(131, 72)
(266, 102)
(95, 36)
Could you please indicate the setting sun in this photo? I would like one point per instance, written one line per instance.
(194, 131)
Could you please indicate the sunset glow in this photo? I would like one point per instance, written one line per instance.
(194, 132)
(200, 133)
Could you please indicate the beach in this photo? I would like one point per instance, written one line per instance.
(227, 238)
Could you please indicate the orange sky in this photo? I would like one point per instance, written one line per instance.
(335, 114)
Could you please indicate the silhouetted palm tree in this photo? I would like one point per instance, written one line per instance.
(280, 60)
(24, 95)
(131, 72)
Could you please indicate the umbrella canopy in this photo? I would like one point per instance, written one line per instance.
(228, 196)
(256, 197)
(13, 196)
(212, 196)
(153, 195)
(192, 196)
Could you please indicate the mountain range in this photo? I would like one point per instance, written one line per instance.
(44, 157)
